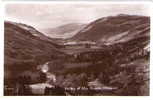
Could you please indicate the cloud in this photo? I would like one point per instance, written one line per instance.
(56, 14)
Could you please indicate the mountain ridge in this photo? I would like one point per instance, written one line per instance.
(104, 29)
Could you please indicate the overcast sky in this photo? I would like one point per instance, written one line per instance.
(56, 14)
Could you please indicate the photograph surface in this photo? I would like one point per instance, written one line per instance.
(76, 49)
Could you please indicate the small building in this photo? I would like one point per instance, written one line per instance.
(39, 88)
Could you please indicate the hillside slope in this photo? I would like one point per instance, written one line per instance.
(112, 29)
(25, 48)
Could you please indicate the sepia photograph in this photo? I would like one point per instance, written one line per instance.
(77, 49)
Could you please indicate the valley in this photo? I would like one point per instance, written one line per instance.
(109, 56)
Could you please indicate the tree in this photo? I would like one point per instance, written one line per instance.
(82, 80)
(42, 77)
(101, 77)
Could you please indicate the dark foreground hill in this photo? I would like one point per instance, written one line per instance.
(25, 48)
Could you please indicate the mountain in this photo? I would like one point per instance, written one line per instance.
(64, 31)
(25, 48)
(122, 61)
(113, 29)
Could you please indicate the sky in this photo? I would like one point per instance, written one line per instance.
(56, 14)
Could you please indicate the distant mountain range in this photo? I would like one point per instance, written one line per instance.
(64, 31)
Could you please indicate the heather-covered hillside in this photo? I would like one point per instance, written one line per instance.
(112, 29)
(25, 48)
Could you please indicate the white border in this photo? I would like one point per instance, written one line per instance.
(1, 47)
(69, 97)
(78, 2)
